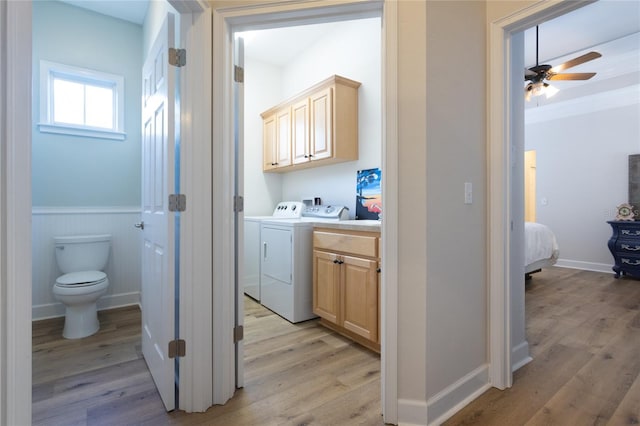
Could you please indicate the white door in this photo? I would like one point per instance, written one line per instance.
(158, 140)
(238, 122)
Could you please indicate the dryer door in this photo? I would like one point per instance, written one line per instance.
(276, 267)
(276, 253)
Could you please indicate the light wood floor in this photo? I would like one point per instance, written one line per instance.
(583, 330)
(299, 374)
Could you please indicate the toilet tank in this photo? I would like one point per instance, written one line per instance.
(82, 252)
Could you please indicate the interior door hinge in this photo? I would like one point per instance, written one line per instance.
(238, 333)
(177, 202)
(238, 74)
(177, 57)
(238, 203)
(177, 348)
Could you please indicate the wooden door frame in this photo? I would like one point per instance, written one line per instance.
(15, 199)
(227, 20)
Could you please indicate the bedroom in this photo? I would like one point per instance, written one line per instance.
(583, 135)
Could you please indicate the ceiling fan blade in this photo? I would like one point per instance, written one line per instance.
(576, 61)
(572, 76)
(529, 73)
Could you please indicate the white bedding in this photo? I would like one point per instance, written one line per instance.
(541, 247)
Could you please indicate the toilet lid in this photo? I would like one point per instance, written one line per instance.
(79, 279)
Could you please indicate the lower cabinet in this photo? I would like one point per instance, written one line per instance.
(346, 285)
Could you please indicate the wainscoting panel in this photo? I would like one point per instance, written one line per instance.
(123, 268)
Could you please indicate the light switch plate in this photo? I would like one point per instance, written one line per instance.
(468, 193)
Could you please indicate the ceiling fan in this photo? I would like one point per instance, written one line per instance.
(537, 75)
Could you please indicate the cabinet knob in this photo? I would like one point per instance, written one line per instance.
(335, 261)
(306, 156)
(378, 270)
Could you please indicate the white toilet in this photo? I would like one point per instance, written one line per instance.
(81, 258)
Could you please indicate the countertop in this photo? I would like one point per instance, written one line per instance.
(351, 225)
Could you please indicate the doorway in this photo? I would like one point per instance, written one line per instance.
(530, 185)
(85, 183)
(268, 16)
(314, 52)
(506, 171)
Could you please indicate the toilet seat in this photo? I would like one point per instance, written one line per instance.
(81, 279)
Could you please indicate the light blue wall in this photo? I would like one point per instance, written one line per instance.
(77, 171)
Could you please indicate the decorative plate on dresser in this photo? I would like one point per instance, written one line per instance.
(625, 247)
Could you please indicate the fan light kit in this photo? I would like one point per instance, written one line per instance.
(537, 75)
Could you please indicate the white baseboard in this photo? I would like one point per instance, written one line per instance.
(412, 412)
(53, 310)
(454, 397)
(586, 266)
(520, 356)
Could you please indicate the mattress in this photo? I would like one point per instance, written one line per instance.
(541, 246)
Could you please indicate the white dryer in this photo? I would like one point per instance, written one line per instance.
(253, 243)
(286, 268)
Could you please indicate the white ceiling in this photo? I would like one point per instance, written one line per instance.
(129, 10)
(582, 29)
(280, 45)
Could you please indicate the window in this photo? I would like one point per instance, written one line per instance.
(81, 102)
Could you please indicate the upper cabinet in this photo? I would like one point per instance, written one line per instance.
(277, 140)
(315, 128)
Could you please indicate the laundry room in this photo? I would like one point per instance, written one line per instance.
(312, 165)
(282, 63)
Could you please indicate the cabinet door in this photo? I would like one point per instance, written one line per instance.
(326, 286)
(322, 124)
(283, 147)
(360, 296)
(300, 132)
(269, 142)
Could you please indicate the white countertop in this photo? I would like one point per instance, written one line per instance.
(351, 225)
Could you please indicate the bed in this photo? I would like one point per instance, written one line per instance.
(541, 248)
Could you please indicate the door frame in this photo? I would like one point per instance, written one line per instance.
(227, 20)
(502, 119)
(15, 199)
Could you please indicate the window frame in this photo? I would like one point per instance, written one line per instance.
(50, 70)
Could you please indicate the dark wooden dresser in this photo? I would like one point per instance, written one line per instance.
(625, 247)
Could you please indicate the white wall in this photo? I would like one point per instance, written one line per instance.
(263, 89)
(582, 175)
(352, 50)
(123, 268)
(456, 322)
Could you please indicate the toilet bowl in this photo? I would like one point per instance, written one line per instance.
(81, 259)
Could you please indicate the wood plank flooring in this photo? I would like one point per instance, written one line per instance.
(301, 374)
(583, 330)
